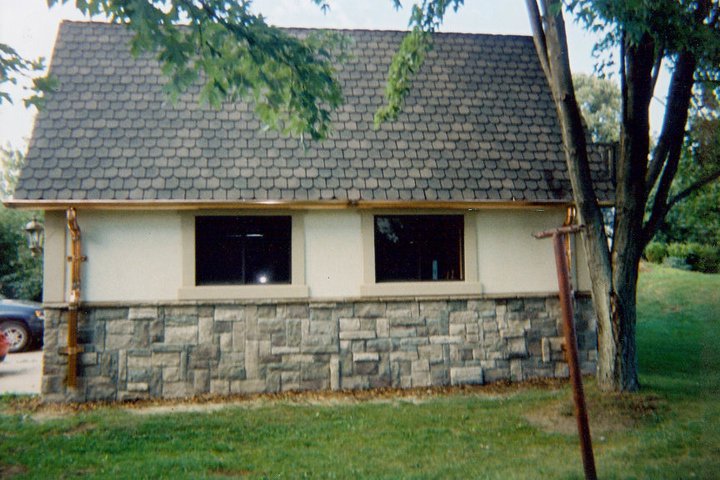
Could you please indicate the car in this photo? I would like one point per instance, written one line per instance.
(23, 323)
(4, 346)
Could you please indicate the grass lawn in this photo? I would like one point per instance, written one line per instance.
(670, 430)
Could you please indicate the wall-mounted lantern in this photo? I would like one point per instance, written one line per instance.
(35, 233)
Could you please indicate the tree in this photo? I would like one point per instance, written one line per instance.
(684, 34)
(291, 82)
(696, 217)
(20, 272)
(599, 102)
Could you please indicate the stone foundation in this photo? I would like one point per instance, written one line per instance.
(179, 350)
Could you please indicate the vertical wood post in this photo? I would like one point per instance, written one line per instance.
(559, 237)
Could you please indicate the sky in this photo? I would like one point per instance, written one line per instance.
(30, 27)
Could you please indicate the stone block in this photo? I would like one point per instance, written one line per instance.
(357, 382)
(137, 387)
(238, 332)
(200, 380)
(457, 329)
(445, 339)
(406, 321)
(293, 310)
(293, 333)
(100, 390)
(117, 341)
(466, 376)
(366, 357)
(433, 353)
(282, 350)
(334, 372)
(89, 358)
(467, 316)
(230, 313)
(349, 324)
(562, 370)
(143, 313)
(247, 386)
(409, 356)
(220, 387)
(517, 347)
(181, 335)
(382, 327)
(267, 326)
(171, 374)
(369, 309)
(133, 360)
(546, 350)
(176, 390)
(405, 331)
(181, 315)
(289, 381)
(205, 330)
(412, 343)
(357, 335)
(323, 327)
(380, 345)
(157, 331)
(158, 359)
(516, 370)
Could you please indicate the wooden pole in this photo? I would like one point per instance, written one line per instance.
(559, 237)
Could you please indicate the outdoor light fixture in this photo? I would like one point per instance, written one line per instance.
(35, 233)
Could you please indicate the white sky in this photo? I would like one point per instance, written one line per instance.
(30, 27)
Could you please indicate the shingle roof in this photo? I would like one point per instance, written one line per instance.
(478, 125)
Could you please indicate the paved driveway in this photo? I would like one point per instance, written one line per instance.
(21, 372)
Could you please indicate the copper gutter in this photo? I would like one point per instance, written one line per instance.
(76, 258)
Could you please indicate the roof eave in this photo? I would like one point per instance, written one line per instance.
(282, 204)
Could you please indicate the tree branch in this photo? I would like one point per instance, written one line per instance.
(695, 186)
(676, 115)
(538, 35)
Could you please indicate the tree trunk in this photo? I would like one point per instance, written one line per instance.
(613, 279)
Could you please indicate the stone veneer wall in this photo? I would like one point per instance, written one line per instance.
(178, 350)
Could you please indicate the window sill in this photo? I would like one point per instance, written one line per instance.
(420, 289)
(243, 292)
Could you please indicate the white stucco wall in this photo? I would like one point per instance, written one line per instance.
(138, 255)
(510, 259)
(131, 255)
(333, 254)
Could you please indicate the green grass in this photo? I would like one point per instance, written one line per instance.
(670, 430)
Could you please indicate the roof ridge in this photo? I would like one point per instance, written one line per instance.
(311, 29)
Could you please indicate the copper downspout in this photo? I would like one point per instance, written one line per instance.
(76, 258)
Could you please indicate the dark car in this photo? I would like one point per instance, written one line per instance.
(22, 323)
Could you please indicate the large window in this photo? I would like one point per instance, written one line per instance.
(242, 250)
(411, 248)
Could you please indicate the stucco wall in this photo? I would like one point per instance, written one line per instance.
(137, 256)
(333, 254)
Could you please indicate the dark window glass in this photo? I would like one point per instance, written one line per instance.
(242, 250)
(419, 248)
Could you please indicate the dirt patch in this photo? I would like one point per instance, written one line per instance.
(11, 471)
(39, 411)
(608, 413)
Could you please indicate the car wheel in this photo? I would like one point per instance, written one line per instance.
(17, 334)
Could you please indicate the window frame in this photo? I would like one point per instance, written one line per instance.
(470, 285)
(297, 287)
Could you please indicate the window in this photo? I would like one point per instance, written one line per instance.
(243, 250)
(411, 248)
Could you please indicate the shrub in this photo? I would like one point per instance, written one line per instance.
(676, 262)
(655, 252)
(705, 258)
(694, 256)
